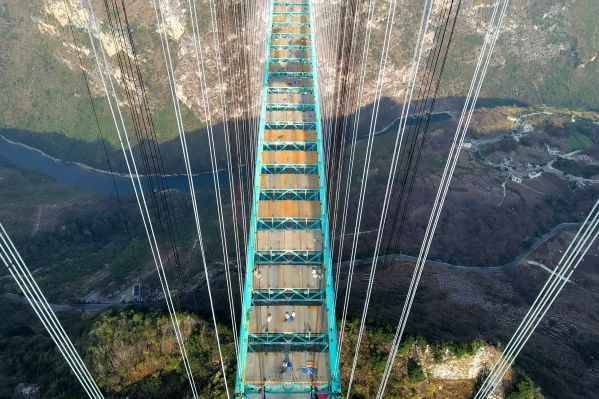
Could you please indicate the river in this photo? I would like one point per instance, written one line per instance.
(89, 179)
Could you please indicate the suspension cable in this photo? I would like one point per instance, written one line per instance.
(20, 273)
(484, 58)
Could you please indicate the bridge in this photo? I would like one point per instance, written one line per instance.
(288, 335)
(287, 346)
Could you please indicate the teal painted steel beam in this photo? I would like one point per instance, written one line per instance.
(290, 75)
(282, 169)
(289, 388)
(286, 24)
(289, 224)
(290, 35)
(289, 125)
(288, 342)
(291, 4)
(290, 146)
(291, 90)
(328, 267)
(292, 60)
(284, 13)
(289, 194)
(288, 296)
(288, 257)
(251, 242)
(289, 107)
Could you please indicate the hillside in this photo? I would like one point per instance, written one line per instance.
(133, 354)
(547, 54)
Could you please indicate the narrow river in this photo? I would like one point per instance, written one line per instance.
(89, 179)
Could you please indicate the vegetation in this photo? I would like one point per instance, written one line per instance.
(525, 389)
(575, 168)
(133, 354)
(136, 354)
(29, 356)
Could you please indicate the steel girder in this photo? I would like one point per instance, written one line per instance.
(292, 342)
(290, 35)
(290, 47)
(289, 224)
(289, 107)
(290, 146)
(289, 388)
(279, 169)
(289, 296)
(288, 257)
(281, 194)
(290, 125)
(292, 60)
(290, 90)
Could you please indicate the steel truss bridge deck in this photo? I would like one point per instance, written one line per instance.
(288, 337)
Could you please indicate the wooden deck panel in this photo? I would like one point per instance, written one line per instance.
(272, 136)
(293, 181)
(290, 18)
(268, 366)
(291, 29)
(284, 67)
(284, 240)
(291, 98)
(308, 319)
(292, 116)
(287, 276)
(286, 82)
(286, 41)
(290, 157)
(288, 208)
(290, 53)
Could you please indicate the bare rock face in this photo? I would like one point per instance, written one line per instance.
(58, 16)
(467, 367)
(462, 373)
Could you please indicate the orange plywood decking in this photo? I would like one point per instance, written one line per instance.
(290, 18)
(291, 98)
(288, 209)
(290, 157)
(292, 181)
(308, 319)
(281, 240)
(288, 276)
(269, 366)
(293, 116)
(291, 29)
(280, 67)
(289, 136)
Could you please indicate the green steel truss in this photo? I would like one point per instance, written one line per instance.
(325, 341)
(289, 224)
(288, 257)
(290, 146)
(295, 296)
(286, 24)
(281, 194)
(290, 35)
(289, 388)
(291, 60)
(280, 169)
(290, 47)
(290, 90)
(275, 342)
(291, 13)
(304, 125)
